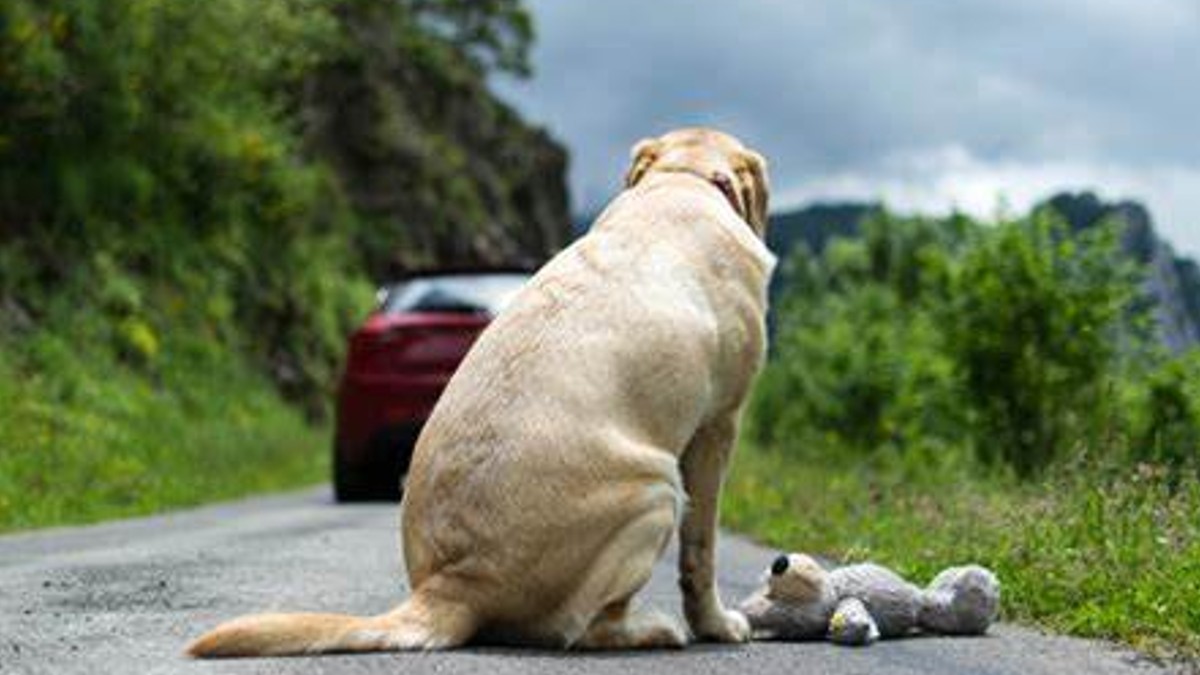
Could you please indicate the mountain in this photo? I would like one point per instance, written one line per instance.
(816, 224)
(1172, 281)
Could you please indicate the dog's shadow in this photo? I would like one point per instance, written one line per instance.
(584, 655)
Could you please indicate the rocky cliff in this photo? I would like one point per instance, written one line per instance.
(446, 173)
(1171, 282)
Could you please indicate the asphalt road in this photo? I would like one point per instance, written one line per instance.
(125, 598)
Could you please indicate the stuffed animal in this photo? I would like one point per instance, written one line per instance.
(858, 604)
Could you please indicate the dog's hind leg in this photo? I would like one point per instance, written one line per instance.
(598, 614)
(618, 627)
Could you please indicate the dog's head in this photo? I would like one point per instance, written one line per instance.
(736, 170)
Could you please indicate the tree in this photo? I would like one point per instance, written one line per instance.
(1033, 326)
(497, 32)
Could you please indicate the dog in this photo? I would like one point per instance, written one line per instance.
(591, 420)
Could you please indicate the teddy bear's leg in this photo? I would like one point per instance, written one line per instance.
(704, 463)
(852, 624)
(961, 601)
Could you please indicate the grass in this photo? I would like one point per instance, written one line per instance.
(1092, 552)
(88, 435)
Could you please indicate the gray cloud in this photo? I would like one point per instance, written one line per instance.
(925, 102)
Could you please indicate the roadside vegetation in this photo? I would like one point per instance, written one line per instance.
(945, 391)
(84, 438)
(194, 200)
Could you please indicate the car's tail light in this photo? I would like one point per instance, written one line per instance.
(410, 349)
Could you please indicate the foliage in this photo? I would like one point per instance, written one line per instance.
(496, 33)
(1032, 326)
(194, 199)
(858, 360)
(1166, 433)
(437, 169)
(149, 147)
(944, 391)
(86, 438)
(197, 160)
(1015, 344)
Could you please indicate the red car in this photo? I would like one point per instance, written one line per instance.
(398, 363)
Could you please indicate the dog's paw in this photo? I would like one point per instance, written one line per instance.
(661, 632)
(728, 626)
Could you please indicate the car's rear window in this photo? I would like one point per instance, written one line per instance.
(454, 293)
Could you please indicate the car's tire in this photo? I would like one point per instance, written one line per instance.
(364, 482)
(378, 470)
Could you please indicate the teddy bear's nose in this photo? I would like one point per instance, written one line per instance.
(780, 565)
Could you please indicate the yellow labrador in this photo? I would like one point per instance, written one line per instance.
(591, 419)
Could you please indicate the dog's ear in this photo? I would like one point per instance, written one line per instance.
(754, 190)
(644, 153)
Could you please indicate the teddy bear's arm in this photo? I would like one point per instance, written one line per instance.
(892, 602)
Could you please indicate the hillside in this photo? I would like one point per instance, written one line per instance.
(440, 171)
(196, 202)
(1172, 281)
(365, 142)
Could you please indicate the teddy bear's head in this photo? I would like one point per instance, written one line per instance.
(797, 578)
(795, 601)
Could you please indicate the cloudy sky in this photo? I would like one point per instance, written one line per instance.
(926, 104)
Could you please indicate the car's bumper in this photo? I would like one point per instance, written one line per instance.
(383, 458)
(375, 414)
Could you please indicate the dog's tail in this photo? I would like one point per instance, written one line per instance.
(421, 623)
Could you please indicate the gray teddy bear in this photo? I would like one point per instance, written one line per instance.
(858, 604)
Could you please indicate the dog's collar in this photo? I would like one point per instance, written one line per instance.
(747, 235)
(717, 180)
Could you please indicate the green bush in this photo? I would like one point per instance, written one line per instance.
(189, 216)
(222, 163)
(1015, 344)
(1166, 429)
(859, 359)
(150, 163)
(1032, 325)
